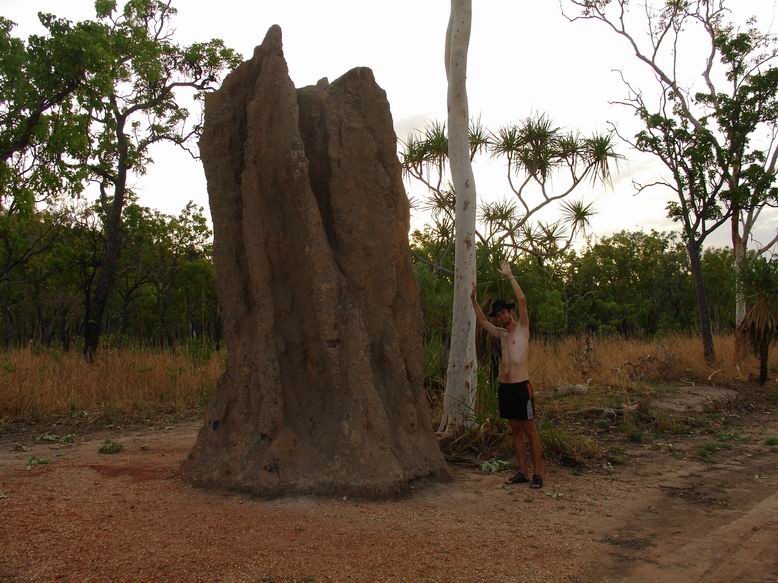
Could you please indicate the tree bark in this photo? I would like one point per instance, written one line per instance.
(739, 248)
(95, 308)
(694, 250)
(460, 392)
(764, 351)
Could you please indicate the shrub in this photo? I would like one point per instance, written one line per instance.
(110, 447)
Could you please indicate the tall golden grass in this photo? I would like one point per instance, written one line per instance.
(39, 382)
(627, 362)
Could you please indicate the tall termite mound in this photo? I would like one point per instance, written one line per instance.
(322, 392)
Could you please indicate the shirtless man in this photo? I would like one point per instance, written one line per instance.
(515, 391)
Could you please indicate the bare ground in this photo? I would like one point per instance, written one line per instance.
(667, 515)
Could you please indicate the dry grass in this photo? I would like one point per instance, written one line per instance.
(608, 383)
(629, 364)
(37, 383)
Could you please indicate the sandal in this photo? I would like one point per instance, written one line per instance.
(517, 478)
(537, 482)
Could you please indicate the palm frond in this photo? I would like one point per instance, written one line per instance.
(501, 211)
(435, 142)
(578, 214)
(507, 141)
(759, 280)
(478, 137)
(600, 153)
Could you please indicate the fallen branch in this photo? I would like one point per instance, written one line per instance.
(625, 408)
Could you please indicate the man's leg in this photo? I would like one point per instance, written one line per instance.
(520, 445)
(534, 440)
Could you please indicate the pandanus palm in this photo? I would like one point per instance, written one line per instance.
(759, 327)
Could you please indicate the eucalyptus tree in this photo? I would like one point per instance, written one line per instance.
(461, 374)
(732, 95)
(697, 180)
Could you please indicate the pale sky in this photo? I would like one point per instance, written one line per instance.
(525, 58)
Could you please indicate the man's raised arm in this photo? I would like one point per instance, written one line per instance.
(479, 315)
(505, 269)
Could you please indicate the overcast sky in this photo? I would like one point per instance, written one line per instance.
(525, 58)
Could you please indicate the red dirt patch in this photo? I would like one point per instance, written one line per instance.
(80, 519)
(139, 473)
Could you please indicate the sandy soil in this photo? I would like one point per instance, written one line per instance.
(665, 516)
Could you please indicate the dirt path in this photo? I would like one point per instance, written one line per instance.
(666, 516)
(708, 521)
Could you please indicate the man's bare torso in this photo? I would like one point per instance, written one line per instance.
(515, 346)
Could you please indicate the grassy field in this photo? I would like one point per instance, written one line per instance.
(39, 382)
(625, 362)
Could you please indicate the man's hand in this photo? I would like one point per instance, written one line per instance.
(505, 269)
(472, 293)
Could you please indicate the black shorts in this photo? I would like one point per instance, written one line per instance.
(516, 401)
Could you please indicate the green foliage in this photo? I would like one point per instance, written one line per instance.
(617, 456)
(86, 103)
(759, 328)
(494, 465)
(630, 283)
(110, 447)
(550, 313)
(636, 435)
(707, 450)
(728, 436)
(539, 157)
(709, 131)
(771, 441)
(33, 461)
(41, 123)
(165, 292)
(199, 349)
(434, 362)
(487, 404)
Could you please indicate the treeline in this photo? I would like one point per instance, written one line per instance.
(630, 284)
(165, 290)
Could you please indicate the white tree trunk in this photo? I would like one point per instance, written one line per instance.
(461, 375)
(739, 247)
